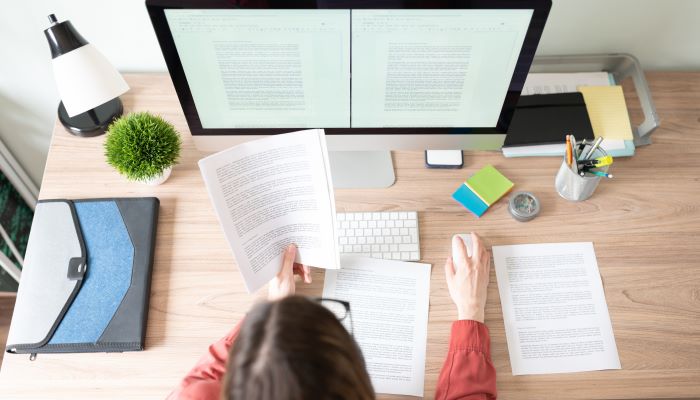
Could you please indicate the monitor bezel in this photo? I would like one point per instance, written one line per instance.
(156, 10)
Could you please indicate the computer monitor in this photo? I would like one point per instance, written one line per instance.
(382, 75)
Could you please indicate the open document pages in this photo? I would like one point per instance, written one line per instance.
(389, 318)
(270, 193)
(554, 308)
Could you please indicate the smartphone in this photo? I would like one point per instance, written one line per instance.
(444, 159)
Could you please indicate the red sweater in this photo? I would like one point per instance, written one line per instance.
(467, 373)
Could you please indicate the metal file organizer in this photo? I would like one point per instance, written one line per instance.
(620, 66)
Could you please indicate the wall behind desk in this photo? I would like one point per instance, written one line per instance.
(662, 34)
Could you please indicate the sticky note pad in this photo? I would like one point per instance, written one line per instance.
(608, 111)
(489, 184)
(470, 201)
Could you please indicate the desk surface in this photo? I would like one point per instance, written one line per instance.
(648, 258)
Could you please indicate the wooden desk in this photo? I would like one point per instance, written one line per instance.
(646, 228)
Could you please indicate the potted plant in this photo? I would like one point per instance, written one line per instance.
(143, 147)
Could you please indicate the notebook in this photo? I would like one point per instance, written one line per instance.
(608, 112)
(541, 122)
(86, 279)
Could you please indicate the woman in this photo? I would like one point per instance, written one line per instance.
(291, 347)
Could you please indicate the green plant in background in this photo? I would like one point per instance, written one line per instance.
(141, 145)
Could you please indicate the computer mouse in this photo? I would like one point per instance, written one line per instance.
(467, 239)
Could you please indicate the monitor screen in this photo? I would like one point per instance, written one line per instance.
(339, 68)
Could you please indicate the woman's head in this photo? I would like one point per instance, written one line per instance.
(295, 348)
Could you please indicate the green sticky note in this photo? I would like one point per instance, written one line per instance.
(489, 184)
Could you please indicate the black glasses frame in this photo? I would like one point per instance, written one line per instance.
(346, 304)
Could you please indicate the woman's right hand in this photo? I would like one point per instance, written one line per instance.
(468, 277)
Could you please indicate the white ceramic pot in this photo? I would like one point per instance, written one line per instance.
(159, 179)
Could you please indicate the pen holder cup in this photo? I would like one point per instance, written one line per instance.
(574, 187)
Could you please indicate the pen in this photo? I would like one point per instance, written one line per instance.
(574, 154)
(568, 151)
(582, 145)
(594, 147)
(601, 173)
(596, 162)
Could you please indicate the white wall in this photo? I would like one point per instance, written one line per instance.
(663, 34)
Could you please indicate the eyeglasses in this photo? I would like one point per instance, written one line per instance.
(341, 310)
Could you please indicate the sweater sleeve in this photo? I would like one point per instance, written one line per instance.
(468, 372)
(204, 379)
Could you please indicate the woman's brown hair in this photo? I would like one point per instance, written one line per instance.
(295, 349)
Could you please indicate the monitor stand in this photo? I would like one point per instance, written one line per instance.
(361, 169)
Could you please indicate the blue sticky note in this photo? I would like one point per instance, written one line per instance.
(470, 201)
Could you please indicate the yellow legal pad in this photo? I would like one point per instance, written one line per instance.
(608, 111)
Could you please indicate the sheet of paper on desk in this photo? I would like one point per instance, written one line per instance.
(389, 307)
(269, 193)
(554, 308)
(546, 83)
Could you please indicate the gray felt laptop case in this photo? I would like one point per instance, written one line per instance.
(86, 280)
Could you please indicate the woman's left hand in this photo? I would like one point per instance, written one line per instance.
(283, 284)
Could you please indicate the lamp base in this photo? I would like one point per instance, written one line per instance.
(92, 122)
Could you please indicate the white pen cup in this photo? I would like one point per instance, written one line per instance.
(574, 187)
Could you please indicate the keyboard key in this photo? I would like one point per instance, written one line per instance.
(388, 239)
(361, 240)
(394, 215)
(406, 239)
(363, 224)
(396, 256)
(385, 248)
(379, 239)
(376, 232)
(367, 232)
(408, 247)
(390, 224)
(403, 215)
(356, 248)
(372, 224)
(394, 247)
(412, 215)
(350, 232)
(376, 216)
(398, 224)
(405, 256)
(366, 216)
(386, 232)
(366, 248)
(349, 217)
(354, 224)
(370, 239)
(403, 231)
(415, 256)
(340, 217)
(395, 231)
(341, 233)
(347, 249)
(352, 240)
(376, 248)
(345, 224)
(385, 215)
(343, 240)
(381, 224)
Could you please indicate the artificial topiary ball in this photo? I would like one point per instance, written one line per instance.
(141, 145)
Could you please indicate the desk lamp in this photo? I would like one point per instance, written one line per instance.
(88, 84)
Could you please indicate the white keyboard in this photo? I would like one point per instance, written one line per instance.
(389, 235)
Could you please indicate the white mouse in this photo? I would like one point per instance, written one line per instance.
(467, 239)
